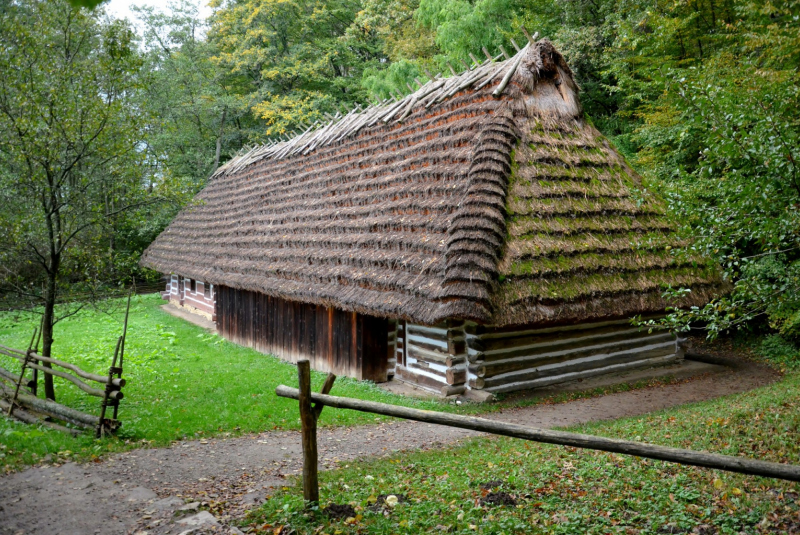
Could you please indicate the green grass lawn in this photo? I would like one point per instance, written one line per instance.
(182, 383)
(567, 490)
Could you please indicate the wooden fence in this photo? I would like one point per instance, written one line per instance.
(309, 415)
(28, 408)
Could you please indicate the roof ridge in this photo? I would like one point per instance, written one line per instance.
(432, 92)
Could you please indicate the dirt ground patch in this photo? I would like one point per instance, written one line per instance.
(215, 481)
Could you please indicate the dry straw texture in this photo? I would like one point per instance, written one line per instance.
(467, 199)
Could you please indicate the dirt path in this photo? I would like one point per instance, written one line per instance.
(139, 491)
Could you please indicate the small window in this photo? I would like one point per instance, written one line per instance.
(207, 290)
(192, 285)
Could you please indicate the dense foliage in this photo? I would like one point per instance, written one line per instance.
(700, 95)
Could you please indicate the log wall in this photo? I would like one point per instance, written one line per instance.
(435, 357)
(344, 343)
(503, 360)
(391, 361)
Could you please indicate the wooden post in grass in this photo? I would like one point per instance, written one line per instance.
(309, 427)
(34, 382)
(308, 422)
(118, 369)
(111, 395)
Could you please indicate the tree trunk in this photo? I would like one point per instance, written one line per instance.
(219, 140)
(47, 325)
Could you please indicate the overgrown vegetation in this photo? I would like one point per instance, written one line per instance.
(504, 486)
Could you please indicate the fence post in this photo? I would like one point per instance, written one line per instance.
(308, 421)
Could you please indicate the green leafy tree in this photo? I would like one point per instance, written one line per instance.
(722, 136)
(194, 109)
(68, 155)
(294, 55)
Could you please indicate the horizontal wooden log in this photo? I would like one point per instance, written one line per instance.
(103, 379)
(716, 461)
(500, 367)
(491, 331)
(426, 367)
(456, 346)
(427, 343)
(8, 376)
(592, 362)
(476, 383)
(56, 410)
(453, 390)
(562, 339)
(435, 333)
(426, 355)
(512, 386)
(455, 360)
(115, 394)
(575, 345)
(20, 414)
(420, 379)
(456, 376)
(24, 416)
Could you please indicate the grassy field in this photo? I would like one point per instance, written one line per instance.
(182, 383)
(570, 491)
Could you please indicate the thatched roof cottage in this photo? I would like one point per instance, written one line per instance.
(478, 234)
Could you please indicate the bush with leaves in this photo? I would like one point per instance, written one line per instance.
(723, 140)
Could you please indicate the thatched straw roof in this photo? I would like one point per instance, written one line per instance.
(484, 196)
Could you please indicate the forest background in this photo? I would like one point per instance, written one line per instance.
(106, 132)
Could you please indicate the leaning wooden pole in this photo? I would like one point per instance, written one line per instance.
(308, 421)
(118, 369)
(22, 374)
(34, 384)
(741, 465)
(107, 393)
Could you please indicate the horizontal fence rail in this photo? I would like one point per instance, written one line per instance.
(728, 463)
(20, 355)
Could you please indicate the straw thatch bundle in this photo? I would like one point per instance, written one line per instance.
(484, 196)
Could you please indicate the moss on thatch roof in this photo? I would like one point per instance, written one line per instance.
(467, 199)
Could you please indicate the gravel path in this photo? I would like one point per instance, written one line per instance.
(139, 491)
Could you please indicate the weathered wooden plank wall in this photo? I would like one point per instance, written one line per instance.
(344, 343)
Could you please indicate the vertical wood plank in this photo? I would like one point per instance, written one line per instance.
(345, 343)
(356, 359)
